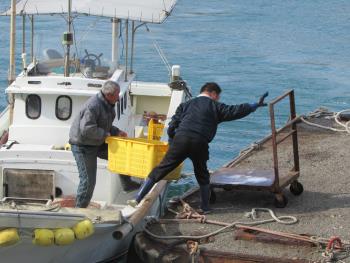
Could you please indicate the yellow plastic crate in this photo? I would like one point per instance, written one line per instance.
(137, 156)
(155, 130)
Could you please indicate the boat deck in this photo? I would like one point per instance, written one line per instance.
(322, 210)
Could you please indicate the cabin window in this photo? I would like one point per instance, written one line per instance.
(33, 106)
(63, 107)
(118, 110)
(122, 105)
(125, 100)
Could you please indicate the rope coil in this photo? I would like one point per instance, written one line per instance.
(331, 115)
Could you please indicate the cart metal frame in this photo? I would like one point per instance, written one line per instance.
(279, 182)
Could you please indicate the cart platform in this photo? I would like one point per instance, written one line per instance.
(231, 176)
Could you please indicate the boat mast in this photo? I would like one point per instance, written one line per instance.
(115, 43)
(132, 47)
(32, 38)
(126, 48)
(23, 33)
(68, 40)
(12, 70)
(24, 55)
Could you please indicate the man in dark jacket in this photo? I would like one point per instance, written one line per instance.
(87, 137)
(190, 131)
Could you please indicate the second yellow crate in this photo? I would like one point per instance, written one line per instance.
(155, 130)
(137, 156)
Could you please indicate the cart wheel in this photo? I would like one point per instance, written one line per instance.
(212, 198)
(296, 188)
(227, 187)
(281, 201)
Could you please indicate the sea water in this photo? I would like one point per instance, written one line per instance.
(246, 46)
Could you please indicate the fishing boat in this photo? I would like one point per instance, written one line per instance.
(38, 173)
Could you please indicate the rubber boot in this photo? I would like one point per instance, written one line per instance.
(145, 188)
(205, 195)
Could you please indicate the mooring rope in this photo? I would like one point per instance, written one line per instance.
(336, 250)
(253, 214)
(325, 112)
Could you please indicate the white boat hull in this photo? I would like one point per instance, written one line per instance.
(101, 246)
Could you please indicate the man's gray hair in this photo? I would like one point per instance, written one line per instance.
(110, 87)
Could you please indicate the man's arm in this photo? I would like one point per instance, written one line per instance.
(88, 126)
(175, 121)
(233, 112)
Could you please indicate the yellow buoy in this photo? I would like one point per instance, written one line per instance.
(8, 237)
(43, 237)
(64, 236)
(83, 229)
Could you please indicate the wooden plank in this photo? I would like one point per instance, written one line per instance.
(252, 235)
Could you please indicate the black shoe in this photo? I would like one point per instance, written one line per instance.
(132, 186)
(128, 185)
(204, 212)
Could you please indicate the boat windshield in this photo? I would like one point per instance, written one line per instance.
(89, 55)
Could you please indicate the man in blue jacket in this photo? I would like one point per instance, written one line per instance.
(190, 131)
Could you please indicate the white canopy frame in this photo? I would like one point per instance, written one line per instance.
(141, 11)
(150, 11)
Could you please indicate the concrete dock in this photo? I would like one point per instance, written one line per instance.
(322, 210)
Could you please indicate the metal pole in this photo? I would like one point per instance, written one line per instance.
(12, 70)
(23, 34)
(127, 48)
(32, 38)
(274, 146)
(294, 128)
(132, 47)
(115, 41)
(24, 55)
(66, 62)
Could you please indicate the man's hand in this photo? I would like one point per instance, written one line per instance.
(261, 102)
(122, 134)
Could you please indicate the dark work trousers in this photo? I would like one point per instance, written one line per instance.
(182, 147)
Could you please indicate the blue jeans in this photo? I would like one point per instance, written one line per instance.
(86, 159)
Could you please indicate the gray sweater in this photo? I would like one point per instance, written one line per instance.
(93, 123)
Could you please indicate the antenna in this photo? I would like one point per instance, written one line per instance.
(68, 40)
